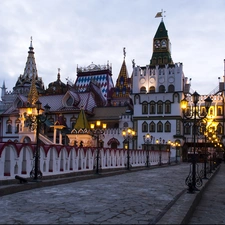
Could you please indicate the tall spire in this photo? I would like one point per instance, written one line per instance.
(3, 89)
(161, 47)
(33, 94)
(30, 70)
(122, 88)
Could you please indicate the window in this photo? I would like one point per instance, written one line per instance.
(160, 107)
(168, 107)
(167, 127)
(152, 127)
(171, 88)
(73, 121)
(152, 107)
(152, 89)
(69, 101)
(144, 108)
(203, 111)
(162, 89)
(144, 127)
(9, 126)
(160, 60)
(211, 113)
(17, 123)
(143, 90)
(219, 110)
(165, 61)
(159, 127)
(125, 124)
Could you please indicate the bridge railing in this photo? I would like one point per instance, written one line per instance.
(18, 159)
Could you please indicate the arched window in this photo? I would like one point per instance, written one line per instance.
(219, 110)
(167, 127)
(152, 127)
(17, 123)
(162, 89)
(144, 108)
(125, 124)
(159, 127)
(167, 107)
(152, 89)
(144, 127)
(9, 126)
(152, 107)
(171, 88)
(143, 89)
(160, 107)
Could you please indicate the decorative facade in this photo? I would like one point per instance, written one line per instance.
(148, 102)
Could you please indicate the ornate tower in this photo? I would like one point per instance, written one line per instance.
(24, 81)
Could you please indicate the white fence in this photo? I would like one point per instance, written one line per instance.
(18, 159)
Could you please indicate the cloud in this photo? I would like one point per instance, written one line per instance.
(73, 32)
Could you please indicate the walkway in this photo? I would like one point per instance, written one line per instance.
(143, 197)
(211, 208)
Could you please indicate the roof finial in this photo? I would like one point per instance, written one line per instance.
(124, 52)
(31, 39)
(58, 74)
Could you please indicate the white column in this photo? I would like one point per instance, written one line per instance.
(54, 138)
(60, 137)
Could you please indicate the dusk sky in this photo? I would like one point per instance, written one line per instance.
(67, 33)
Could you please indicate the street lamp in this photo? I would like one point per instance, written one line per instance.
(193, 177)
(160, 142)
(128, 136)
(34, 123)
(98, 133)
(177, 146)
(148, 141)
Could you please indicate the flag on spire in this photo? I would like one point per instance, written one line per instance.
(159, 14)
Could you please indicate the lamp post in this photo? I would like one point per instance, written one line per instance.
(128, 136)
(148, 141)
(96, 133)
(160, 142)
(177, 145)
(35, 122)
(193, 177)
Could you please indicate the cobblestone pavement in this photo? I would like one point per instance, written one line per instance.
(140, 197)
(211, 208)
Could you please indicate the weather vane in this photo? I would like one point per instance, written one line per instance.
(160, 14)
(124, 52)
